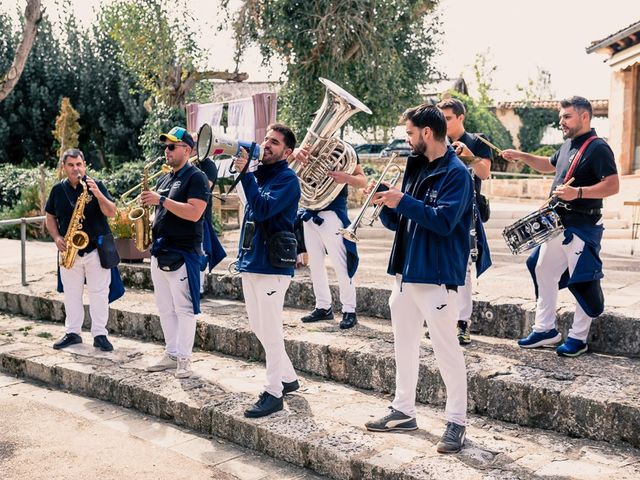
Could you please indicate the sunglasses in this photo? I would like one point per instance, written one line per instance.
(170, 146)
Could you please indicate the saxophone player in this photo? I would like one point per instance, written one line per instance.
(60, 209)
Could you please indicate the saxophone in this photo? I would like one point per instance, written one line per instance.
(75, 238)
(141, 225)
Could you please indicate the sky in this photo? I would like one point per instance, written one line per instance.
(518, 36)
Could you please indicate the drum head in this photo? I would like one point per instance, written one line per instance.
(203, 145)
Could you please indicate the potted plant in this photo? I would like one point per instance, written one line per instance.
(123, 233)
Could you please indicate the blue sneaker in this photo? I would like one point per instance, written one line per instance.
(539, 339)
(572, 348)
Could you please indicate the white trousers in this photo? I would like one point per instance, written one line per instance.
(554, 259)
(86, 268)
(465, 302)
(173, 299)
(321, 238)
(264, 298)
(411, 304)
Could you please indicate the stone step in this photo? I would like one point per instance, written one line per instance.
(612, 333)
(594, 396)
(321, 426)
(121, 441)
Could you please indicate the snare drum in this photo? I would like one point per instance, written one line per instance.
(533, 230)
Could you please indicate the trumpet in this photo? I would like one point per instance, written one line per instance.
(165, 169)
(350, 232)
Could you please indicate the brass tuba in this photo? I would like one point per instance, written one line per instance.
(75, 238)
(326, 152)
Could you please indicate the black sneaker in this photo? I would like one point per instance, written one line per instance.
(67, 340)
(101, 342)
(266, 405)
(394, 422)
(288, 387)
(464, 337)
(349, 320)
(453, 438)
(318, 314)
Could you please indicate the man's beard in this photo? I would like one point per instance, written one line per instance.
(420, 147)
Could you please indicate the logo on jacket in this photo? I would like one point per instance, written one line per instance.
(441, 306)
(176, 184)
(271, 293)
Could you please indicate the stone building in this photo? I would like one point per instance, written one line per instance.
(623, 51)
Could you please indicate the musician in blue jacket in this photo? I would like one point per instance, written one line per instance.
(431, 216)
(272, 193)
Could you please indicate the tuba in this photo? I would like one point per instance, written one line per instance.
(326, 152)
(75, 238)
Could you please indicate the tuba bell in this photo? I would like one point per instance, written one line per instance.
(326, 152)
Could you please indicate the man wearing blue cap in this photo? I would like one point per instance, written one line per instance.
(180, 199)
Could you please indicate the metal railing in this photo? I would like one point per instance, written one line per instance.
(23, 239)
(542, 176)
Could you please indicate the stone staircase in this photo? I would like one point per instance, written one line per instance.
(533, 414)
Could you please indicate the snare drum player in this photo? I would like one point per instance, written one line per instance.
(572, 259)
(468, 146)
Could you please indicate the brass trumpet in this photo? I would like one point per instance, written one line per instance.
(165, 169)
(350, 232)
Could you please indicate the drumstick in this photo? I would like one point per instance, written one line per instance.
(489, 144)
(555, 196)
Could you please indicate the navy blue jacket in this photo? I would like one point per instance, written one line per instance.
(437, 219)
(584, 283)
(272, 192)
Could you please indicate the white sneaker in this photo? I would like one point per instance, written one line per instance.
(167, 362)
(183, 369)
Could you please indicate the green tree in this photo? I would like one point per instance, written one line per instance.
(483, 70)
(538, 88)
(380, 51)
(32, 16)
(160, 51)
(84, 67)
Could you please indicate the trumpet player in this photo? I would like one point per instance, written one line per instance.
(479, 154)
(180, 199)
(86, 268)
(431, 215)
(322, 238)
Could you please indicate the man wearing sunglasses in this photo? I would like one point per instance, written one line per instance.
(180, 199)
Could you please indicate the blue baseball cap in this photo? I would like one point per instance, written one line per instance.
(178, 134)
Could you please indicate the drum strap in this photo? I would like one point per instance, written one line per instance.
(577, 158)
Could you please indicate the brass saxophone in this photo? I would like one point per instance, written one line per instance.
(75, 238)
(140, 216)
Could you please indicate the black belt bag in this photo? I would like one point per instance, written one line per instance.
(107, 251)
(169, 261)
(483, 208)
(283, 249)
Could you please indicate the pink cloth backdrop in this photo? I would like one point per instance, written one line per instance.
(265, 106)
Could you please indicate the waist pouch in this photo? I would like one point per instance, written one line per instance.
(484, 208)
(169, 261)
(107, 251)
(283, 248)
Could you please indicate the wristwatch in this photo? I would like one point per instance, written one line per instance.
(162, 199)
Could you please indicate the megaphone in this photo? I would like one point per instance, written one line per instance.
(224, 146)
(213, 146)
